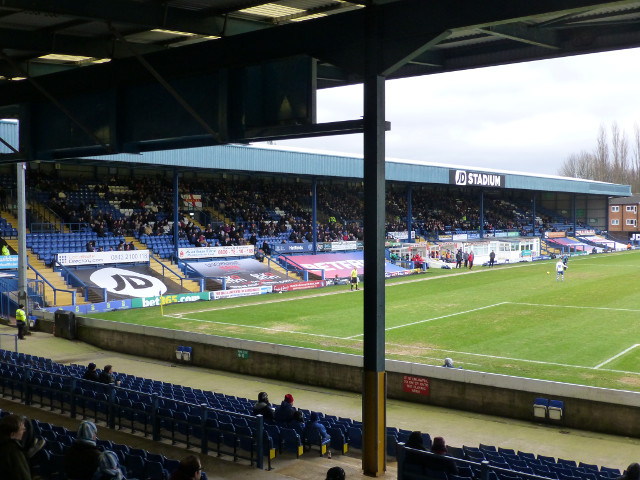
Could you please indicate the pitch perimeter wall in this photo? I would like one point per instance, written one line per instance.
(588, 408)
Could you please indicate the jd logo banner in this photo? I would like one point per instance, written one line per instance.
(466, 178)
(128, 283)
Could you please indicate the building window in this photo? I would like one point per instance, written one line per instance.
(631, 221)
(615, 208)
(632, 208)
(615, 221)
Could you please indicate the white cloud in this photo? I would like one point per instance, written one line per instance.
(528, 116)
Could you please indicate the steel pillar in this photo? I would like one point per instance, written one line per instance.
(375, 379)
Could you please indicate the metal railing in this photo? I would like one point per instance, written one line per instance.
(55, 290)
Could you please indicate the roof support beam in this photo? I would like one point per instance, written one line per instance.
(522, 33)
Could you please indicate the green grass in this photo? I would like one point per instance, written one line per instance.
(514, 320)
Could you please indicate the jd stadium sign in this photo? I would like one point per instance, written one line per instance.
(465, 178)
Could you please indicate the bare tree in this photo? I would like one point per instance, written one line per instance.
(616, 161)
(620, 155)
(601, 157)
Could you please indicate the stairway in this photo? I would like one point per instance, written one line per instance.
(190, 285)
(217, 216)
(54, 278)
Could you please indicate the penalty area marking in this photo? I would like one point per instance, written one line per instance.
(616, 356)
(435, 318)
(182, 317)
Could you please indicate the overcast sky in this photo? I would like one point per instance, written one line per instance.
(526, 117)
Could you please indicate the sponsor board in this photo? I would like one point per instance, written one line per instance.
(101, 258)
(585, 232)
(8, 262)
(459, 236)
(399, 273)
(343, 246)
(290, 287)
(469, 178)
(93, 307)
(159, 300)
(554, 234)
(240, 292)
(293, 247)
(209, 252)
(128, 283)
(404, 235)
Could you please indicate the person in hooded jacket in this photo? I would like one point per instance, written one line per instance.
(314, 431)
(91, 373)
(81, 459)
(263, 407)
(286, 411)
(108, 467)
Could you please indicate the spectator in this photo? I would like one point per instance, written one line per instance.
(21, 321)
(285, 412)
(107, 376)
(190, 468)
(448, 363)
(13, 461)
(631, 473)
(298, 423)
(314, 431)
(91, 373)
(108, 467)
(415, 441)
(263, 407)
(439, 446)
(447, 464)
(81, 459)
(336, 473)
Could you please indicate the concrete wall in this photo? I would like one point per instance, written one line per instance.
(588, 408)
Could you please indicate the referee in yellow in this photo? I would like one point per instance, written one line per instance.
(21, 321)
(354, 278)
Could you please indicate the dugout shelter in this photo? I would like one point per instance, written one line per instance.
(140, 75)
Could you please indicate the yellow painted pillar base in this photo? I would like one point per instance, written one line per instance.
(374, 428)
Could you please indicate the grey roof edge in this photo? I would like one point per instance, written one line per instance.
(295, 161)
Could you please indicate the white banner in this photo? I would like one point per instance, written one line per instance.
(401, 235)
(241, 292)
(209, 252)
(100, 258)
(343, 246)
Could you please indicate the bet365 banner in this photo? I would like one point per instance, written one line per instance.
(168, 299)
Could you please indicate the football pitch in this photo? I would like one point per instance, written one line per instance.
(512, 319)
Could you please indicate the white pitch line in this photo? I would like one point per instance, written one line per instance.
(259, 328)
(435, 318)
(616, 356)
(577, 306)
